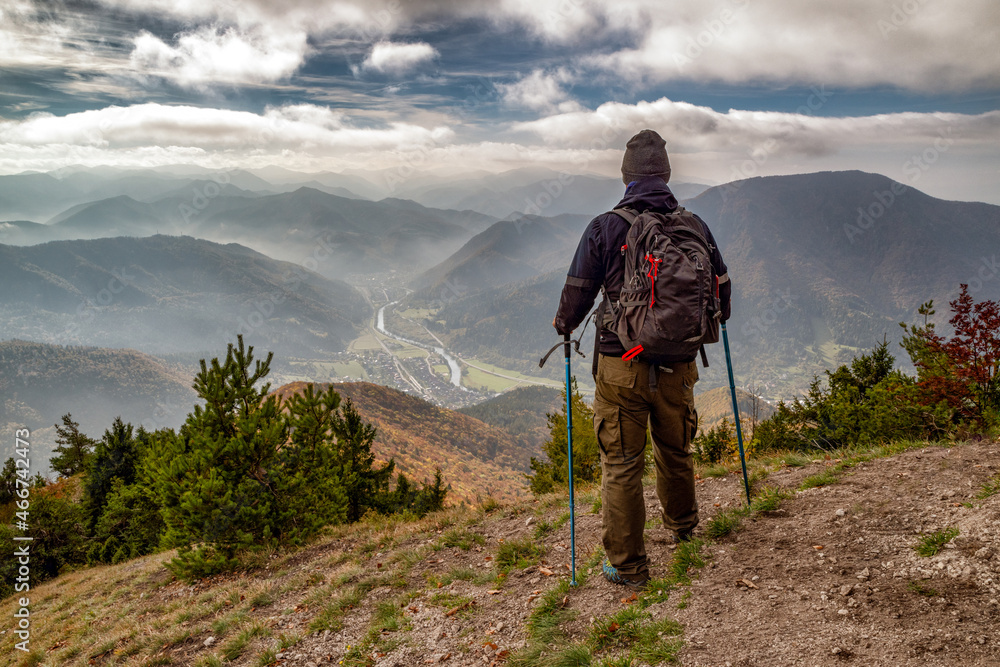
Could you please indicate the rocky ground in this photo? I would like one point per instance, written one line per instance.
(830, 576)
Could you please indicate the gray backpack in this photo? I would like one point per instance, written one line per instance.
(669, 303)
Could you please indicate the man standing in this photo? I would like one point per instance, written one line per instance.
(633, 392)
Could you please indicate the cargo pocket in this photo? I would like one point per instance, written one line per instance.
(691, 427)
(615, 371)
(609, 433)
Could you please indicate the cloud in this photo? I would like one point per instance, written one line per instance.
(213, 55)
(952, 155)
(27, 40)
(540, 91)
(303, 127)
(914, 45)
(397, 59)
(691, 128)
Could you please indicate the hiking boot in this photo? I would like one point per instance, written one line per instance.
(683, 536)
(612, 575)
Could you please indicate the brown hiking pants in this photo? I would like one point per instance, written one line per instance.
(623, 405)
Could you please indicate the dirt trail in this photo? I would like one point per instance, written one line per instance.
(829, 578)
(864, 598)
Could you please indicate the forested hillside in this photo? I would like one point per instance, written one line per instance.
(823, 265)
(477, 460)
(40, 383)
(521, 412)
(165, 294)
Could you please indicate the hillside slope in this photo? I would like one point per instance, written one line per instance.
(829, 578)
(714, 405)
(40, 383)
(476, 459)
(520, 411)
(165, 294)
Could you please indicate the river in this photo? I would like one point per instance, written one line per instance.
(456, 370)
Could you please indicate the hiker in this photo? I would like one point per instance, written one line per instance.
(636, 390)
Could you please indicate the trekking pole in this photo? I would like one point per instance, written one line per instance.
(567, 344)
(569, 451)
(736, 412)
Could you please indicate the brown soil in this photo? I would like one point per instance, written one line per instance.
(835, 578)
(830, 578)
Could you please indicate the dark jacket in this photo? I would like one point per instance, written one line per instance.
(600, 262)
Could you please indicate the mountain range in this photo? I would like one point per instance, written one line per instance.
(172, 295)
(823, 265)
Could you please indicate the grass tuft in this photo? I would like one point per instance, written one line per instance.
(932, 543)
(724, 523)
(920, 589)
(825, 478)
(990, 488)
(463, 539)
(768, 499)
(519, 553)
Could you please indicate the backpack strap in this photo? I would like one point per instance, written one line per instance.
(627, 214)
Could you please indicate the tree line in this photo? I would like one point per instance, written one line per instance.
(246, 471)
(954, 394)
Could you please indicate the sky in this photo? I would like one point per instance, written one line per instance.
(740, 88)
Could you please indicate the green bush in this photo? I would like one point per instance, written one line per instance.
(547, 474)
(711, 447)
(129, 527)
(57, 526)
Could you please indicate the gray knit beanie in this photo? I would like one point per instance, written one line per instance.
(645, 155)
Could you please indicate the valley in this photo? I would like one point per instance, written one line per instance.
(450, 306)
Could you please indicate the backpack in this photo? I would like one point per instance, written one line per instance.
(669, 304)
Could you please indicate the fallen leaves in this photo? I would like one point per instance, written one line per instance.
(745, 583)
(460, 607)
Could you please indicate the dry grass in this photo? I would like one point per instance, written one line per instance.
(134, 614)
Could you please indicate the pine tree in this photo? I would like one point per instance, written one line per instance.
(129, 527)
(214, 478)
(431, 498)
(74, 448)
(546, 475)
(310, 479)
(115, 456)
(365, 484)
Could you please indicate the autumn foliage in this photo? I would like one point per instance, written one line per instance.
(963, 371)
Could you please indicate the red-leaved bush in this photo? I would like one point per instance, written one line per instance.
(964, 370)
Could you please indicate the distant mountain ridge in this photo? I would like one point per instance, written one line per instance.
(510, 250)
(348, 234)
(521, 412)
(814, 282)
(165, 294)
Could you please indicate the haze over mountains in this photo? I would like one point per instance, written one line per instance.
(40, 383)
(171, 295)
(823, 265)
(821, 268)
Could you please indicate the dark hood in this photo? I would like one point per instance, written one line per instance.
(649, 193)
